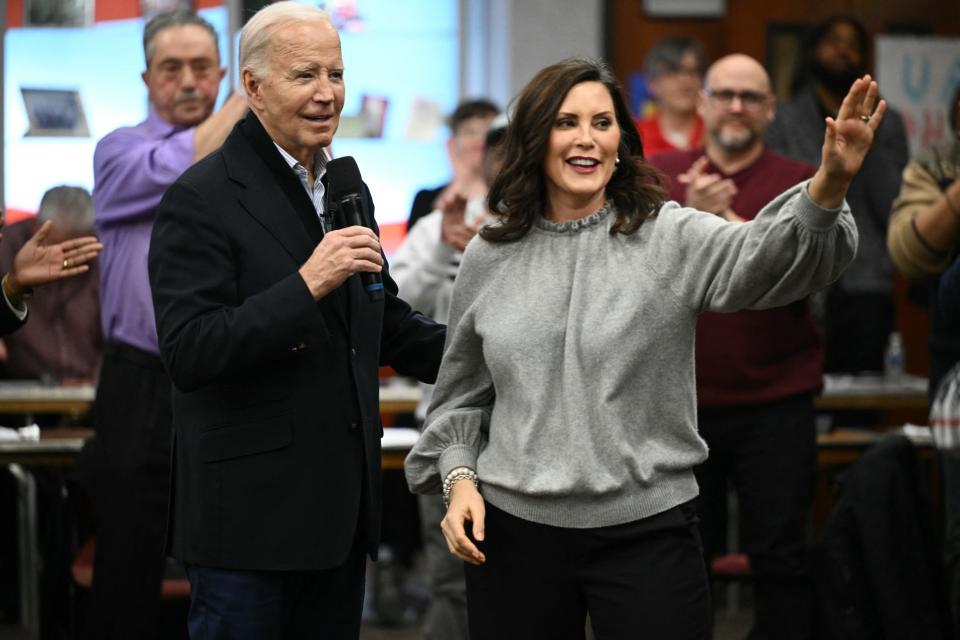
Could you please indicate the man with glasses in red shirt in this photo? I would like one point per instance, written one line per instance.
(757, 370)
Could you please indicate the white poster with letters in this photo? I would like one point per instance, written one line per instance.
(917, 76)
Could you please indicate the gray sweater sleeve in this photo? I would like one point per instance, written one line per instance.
(791, 249)
(459, 415)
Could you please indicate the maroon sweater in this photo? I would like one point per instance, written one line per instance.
(61, 338)
(750, 356)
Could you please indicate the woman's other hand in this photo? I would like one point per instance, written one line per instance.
(466, 505)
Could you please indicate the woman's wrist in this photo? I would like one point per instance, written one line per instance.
(455, 476)
(826, 192)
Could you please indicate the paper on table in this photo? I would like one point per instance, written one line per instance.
(399, 438)
(918, 434)
(836, 385)
(23, 434)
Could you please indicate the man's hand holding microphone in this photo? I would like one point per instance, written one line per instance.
(352, 249)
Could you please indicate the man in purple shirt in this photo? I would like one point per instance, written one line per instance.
(129, 462)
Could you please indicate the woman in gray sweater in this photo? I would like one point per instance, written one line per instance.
(562, 429)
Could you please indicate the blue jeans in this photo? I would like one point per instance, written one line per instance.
(228, 604)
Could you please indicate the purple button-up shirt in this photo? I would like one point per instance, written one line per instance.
(132, 168)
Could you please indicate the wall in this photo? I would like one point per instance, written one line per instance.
(103, 10)
(744, 27)
(507, 41)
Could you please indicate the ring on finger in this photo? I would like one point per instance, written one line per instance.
(66, 263)
(865, 118)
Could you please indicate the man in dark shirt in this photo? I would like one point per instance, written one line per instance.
(756, 371)
(858, 309)
(62, 339)
(37, 260)
(41, 260)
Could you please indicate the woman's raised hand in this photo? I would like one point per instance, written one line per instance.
(847, 140)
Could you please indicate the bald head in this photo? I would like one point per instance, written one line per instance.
(739, 68)
(737, 106)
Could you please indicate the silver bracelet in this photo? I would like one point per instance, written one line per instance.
(453, 477)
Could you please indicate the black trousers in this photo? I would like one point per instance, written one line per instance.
(768, 454)
(644, 579)
(856, 329)
(127, 471)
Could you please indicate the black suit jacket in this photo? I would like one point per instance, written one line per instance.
(276, 405)
(9, 322)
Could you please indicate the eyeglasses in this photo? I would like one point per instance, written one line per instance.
(751, 100)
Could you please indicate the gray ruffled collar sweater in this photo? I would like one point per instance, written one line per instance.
(568, 376)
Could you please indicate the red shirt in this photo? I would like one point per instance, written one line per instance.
(654, 141)
(749, 357)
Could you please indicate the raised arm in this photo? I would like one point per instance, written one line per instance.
(132, 171)
(211, 133)
(846, 142)
(925, 224)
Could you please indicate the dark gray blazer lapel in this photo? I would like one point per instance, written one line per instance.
(273, 195)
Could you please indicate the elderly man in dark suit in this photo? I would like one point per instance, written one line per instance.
(274, 347)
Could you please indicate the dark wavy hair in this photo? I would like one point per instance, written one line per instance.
(519, 192)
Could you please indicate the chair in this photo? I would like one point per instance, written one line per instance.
(732, 569)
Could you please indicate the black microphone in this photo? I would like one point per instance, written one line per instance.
(346, 194)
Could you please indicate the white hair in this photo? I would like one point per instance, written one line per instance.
(255, 35)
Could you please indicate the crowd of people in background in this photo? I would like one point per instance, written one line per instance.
(578, 253)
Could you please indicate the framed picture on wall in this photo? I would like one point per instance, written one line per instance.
(57, 13)
(54, 113)
(150, 8)
(685, 8)
(784, 49)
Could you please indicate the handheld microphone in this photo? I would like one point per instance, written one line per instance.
(346, 194)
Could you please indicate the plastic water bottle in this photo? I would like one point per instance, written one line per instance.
(893, 359)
